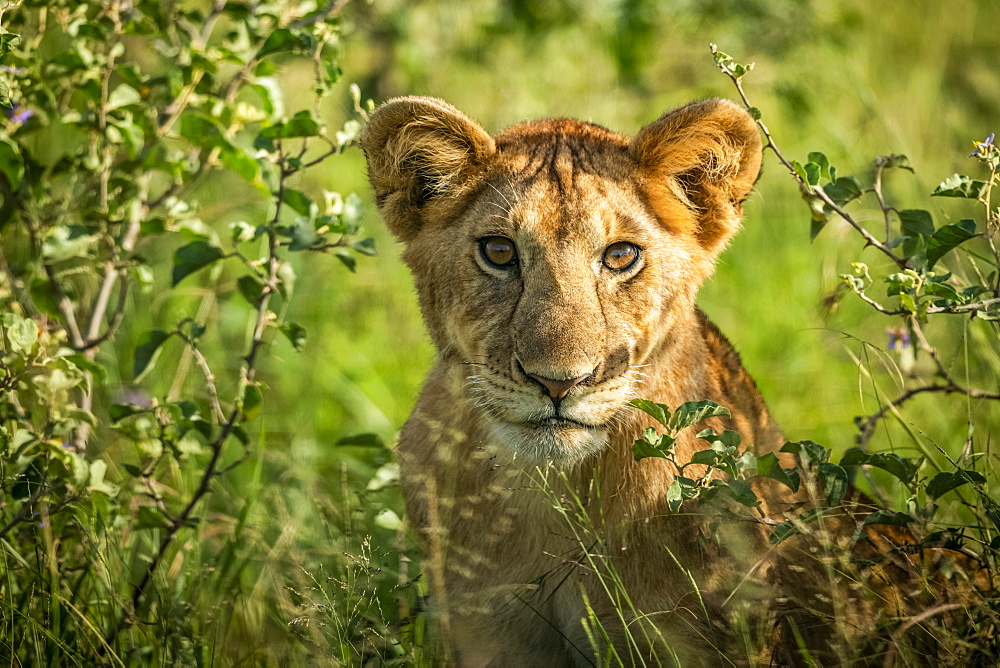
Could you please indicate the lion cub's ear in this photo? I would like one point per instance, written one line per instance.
(704, 157)
(421, 151)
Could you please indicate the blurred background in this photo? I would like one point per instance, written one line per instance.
(853, 79)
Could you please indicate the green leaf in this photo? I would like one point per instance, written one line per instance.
(680, 489)
(900, 467)
(833, 479)
(251, 403)
(21, 333)
(365, 246)
(691, 412)
(854, 457)
(367, 440)
(11, 164)
(302, 234)
(296, 334)
(118, 412)
(821, 161)
(889, 517)
(192, 257)
(659, 412)
(708, 457)
(727, 441)
(946, 481)
(642, 449)
(201, 131)
(959, 185)
(147, 350)
(301, 124)
(123, 96)
(150, 518)
(916, 221)
(812, 173)
(819, 215)
(843, 190)
(349, 261)
(948, 238)
(83, 362)
(810, 453)
(769, 467)
(899, 161)
(236, 160)
(299, 202)
(353, 213)
(251, 288)
(286, 39)
(286, 279)
(782, 532)
(909, 246)
(241, 434)
(741, 493)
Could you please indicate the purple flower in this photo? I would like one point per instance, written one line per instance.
(982, 147)
(18, 115)
(899, 338)
(13, 70)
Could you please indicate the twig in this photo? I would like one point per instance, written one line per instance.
(808, 190)
(867, 428)
(879, 169)
(65, 307)
(893, 650)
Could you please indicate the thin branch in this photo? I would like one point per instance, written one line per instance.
(65, 307)
(212, 469)
(867, 428)
(879, 170)
(808, 190)
(965, 308)
(213, 394)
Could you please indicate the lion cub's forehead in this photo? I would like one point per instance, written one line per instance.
(563, 180)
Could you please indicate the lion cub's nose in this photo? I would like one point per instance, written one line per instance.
(558, 389)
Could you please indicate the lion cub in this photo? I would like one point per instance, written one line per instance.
(557, 265)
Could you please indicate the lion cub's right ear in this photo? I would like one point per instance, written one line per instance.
(421, 152)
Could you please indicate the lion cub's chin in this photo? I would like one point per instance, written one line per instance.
(560, 442)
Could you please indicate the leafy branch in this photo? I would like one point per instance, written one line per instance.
(921, 290)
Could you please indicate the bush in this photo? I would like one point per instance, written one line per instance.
(120, 119)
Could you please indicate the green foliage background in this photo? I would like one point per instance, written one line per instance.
(283, 567)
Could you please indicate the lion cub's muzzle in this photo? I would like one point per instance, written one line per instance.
(557, 388)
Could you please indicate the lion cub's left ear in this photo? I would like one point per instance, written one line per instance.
(423, 155)
(697, 165)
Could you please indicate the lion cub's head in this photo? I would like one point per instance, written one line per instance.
(558, 259)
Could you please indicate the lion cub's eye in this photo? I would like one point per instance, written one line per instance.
(498, 251)
(621, 256)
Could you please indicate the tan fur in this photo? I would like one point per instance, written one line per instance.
(530, 512)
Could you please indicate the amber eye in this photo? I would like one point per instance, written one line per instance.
(498, 251)
(621, 256)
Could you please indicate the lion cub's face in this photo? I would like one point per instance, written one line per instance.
(554, 261)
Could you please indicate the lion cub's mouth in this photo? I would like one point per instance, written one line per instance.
(560, 421)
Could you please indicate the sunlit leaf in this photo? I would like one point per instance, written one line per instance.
(959, 185)
(947, 238)
(658, 412)
(691, 412)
